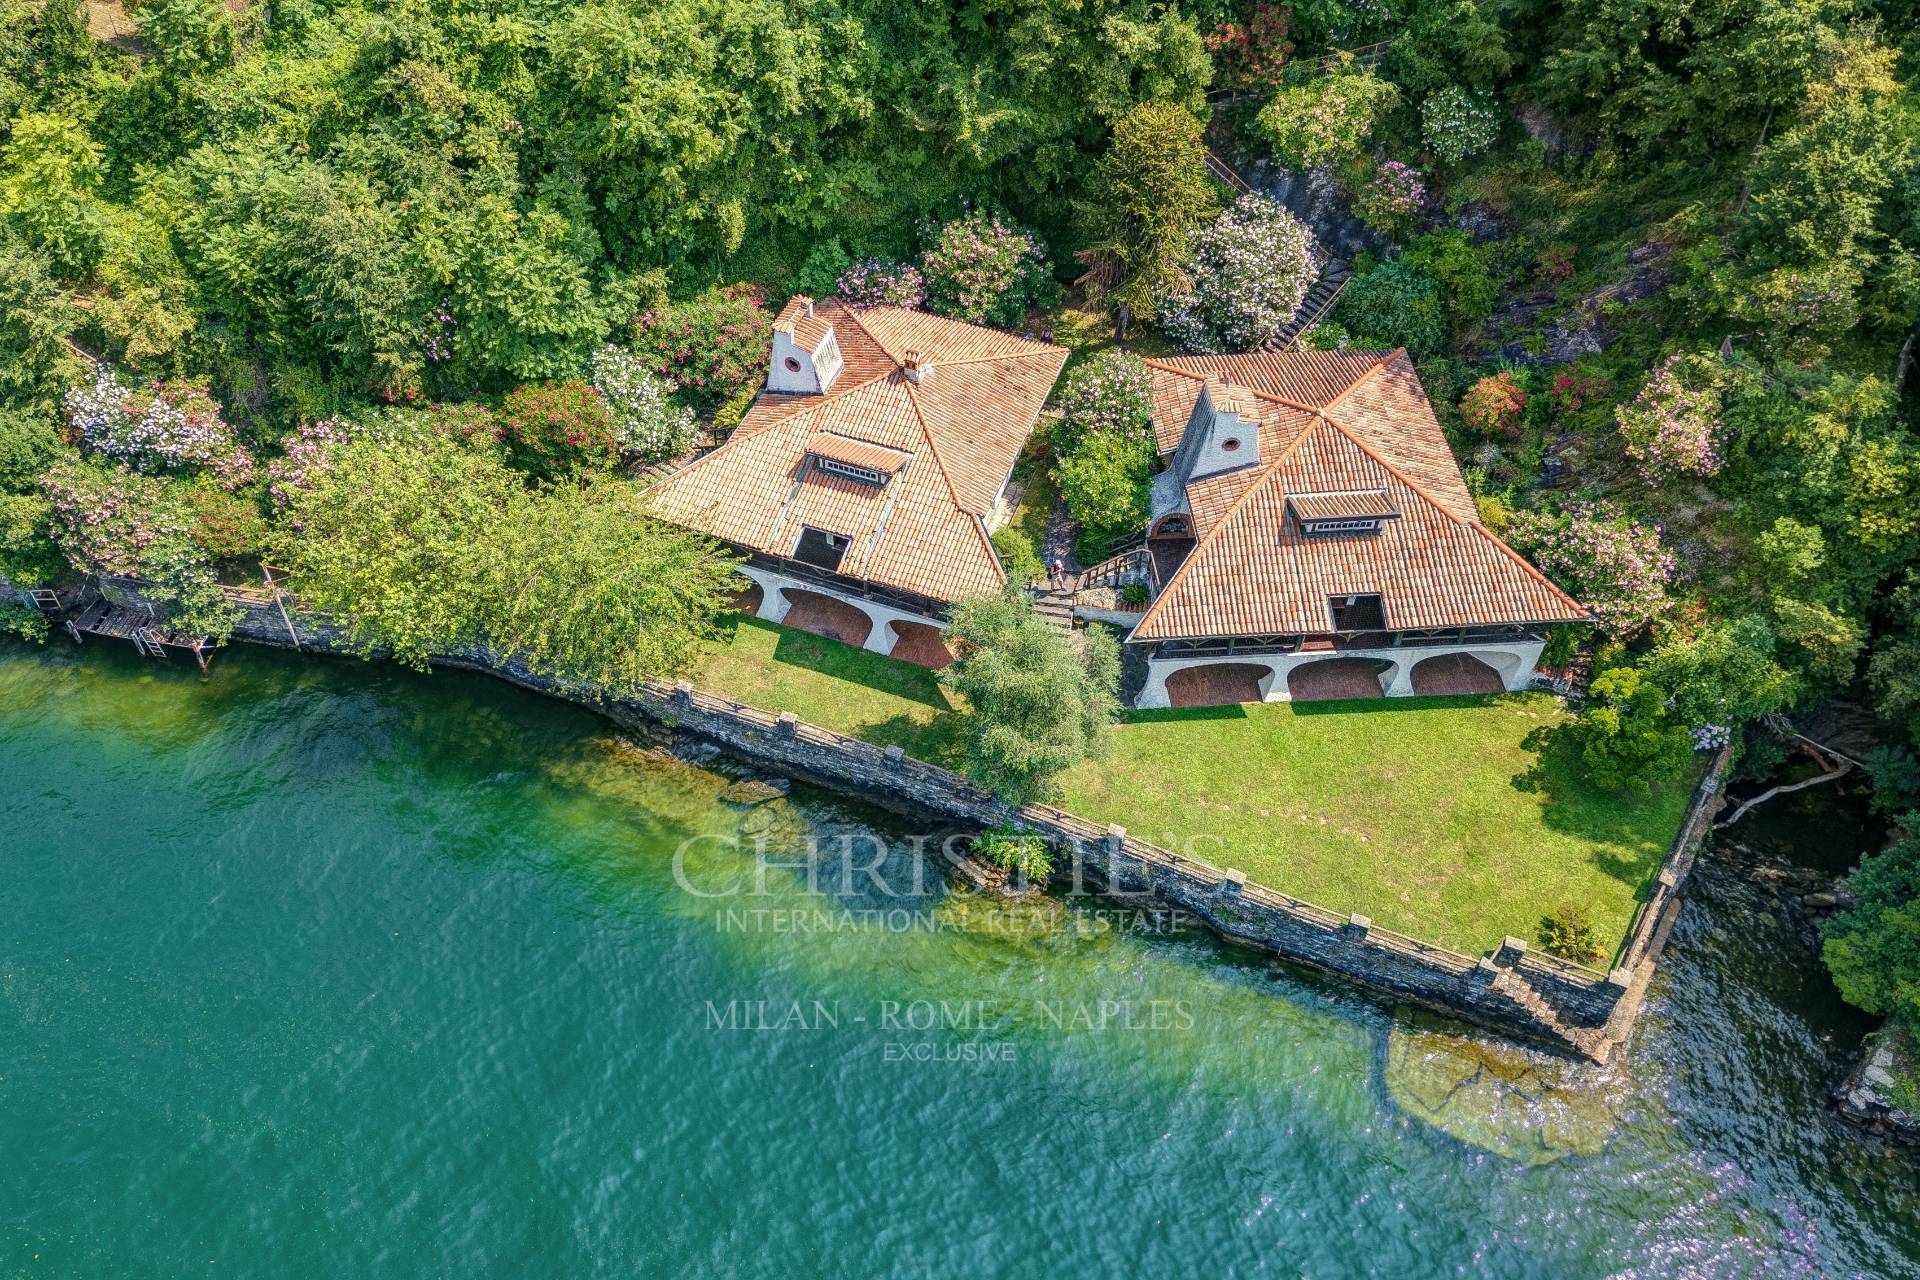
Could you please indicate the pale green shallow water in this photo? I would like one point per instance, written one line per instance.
(329, 969)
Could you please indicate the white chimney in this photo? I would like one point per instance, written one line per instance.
(809, 306)
(915, 367)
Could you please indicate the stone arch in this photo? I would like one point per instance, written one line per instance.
(1217, 684)
(749, 598)
(1457, 673)
(826, 615)
(1332, 679)
(920, 643)
(1175, 524)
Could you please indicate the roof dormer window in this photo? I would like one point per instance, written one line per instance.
(851, 471)
(1350, 512)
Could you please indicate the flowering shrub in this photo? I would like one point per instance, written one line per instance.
(1251, 53)
(1251, 269)
(309, 452)
(1494, 405)
(882, 282)
(1574, 389)
(1674, 425)
(1326, 121)
(712, 347)
(557, 428)
(1456, 123)
(978, 268)
(226, 525)
(1112, 393)
(114, 521)
(1390, 199)
(162, 426)
(1710, 737)
(437, 344)
(647, 424)
(1612, 565)
(1556, 262)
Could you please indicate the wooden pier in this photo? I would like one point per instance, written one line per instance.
(101, 617)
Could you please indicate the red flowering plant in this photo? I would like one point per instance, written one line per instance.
(1251, 54)
(1495, 405)
(1575, 389)
(557, 428)
(1556, 262)
(712, 347)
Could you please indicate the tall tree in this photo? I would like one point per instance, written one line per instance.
(1150, 194)
(1036, 704)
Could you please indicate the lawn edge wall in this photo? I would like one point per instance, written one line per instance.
(1565, 1006)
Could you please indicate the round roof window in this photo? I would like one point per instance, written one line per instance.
(1230, 444)
(793, 364)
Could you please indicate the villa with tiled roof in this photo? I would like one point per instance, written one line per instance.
(863, 485)
(1312, 536)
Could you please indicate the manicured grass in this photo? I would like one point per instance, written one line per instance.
(834, 685)
(1414, 812)
(1410, 811)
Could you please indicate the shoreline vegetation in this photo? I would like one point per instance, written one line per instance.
(413, 304)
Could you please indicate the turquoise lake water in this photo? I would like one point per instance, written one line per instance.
(326, 969)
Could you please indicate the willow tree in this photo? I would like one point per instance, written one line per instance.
(1150, 194)
(422, 547)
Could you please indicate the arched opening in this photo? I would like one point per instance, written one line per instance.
(1454, 673)
(1170, 541)
(824, 615)
(1332, 679)
(921, 644)
(1215, 684)
(748, 599)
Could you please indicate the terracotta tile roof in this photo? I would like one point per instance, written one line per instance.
(1253, 572)
(1342, 504)
(809, 328)
(955, 436)
(858, 453)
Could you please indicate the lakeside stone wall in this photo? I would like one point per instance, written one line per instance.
(1565, 1006)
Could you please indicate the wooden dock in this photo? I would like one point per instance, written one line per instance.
(101, 617)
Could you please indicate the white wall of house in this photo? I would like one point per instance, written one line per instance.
(1513, 662)
(816, 369)
(774, 605)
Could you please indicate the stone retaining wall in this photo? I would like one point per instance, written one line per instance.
(1566, 1006)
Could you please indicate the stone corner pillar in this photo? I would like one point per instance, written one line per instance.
(1233, 884)
(1619, 980)
(896, 754)
(1510, 952)
(789, 725)
(1358, 926)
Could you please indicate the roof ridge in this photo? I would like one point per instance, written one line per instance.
(946, 476)
(1372, 369)
(1257, 392)
(1233, 509)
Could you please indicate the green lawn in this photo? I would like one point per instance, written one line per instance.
(837, 686)
(1406, 811)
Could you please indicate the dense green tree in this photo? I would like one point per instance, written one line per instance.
(1725, 675)
(1873, 948)
(1626, 736)
(1035, 703)
(1150, 195)
(48, 174)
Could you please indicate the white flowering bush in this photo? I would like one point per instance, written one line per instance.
(881, 282)
(1251, 270)
(1674, 426)
(1456, 123)
(1111, 394)
(647, 422)
(1326, 121)
(160, 427)
(1390, 199)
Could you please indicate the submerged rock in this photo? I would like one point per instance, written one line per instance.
(756, 791)
(1517, 1104)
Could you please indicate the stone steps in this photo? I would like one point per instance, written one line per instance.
(1055, 606)
(1517, 989)
(1314, 307)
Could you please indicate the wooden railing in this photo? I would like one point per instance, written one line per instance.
(1223, 171)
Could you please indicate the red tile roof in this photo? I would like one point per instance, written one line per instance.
(1333, 423)
(956, 435)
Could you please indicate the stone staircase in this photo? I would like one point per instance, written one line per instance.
(1510, 984)
(1055, 604)
(1315, 307)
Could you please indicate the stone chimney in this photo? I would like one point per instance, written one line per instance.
(916, 367)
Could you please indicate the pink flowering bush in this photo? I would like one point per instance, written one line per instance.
(160, 427)
(1674, 426)
(308, 456)
(1610, 563)
(980, 269)
(1327, 120)
(882, 282)
(1494, 405)
(1251, 270)
(1391, 198)
(1109, 394)
(114, 521)
(713, 347)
